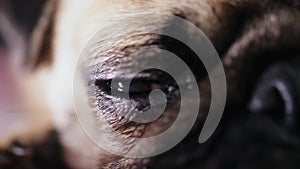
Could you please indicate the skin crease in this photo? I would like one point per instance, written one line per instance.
(240, 31)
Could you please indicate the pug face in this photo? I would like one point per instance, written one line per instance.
(257, 42)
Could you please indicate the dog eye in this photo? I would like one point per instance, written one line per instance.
(140, 87)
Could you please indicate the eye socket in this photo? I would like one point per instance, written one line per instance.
(141, 86)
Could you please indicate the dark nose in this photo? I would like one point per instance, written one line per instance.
(277, 93)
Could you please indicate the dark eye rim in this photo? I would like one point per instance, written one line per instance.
(143, 84)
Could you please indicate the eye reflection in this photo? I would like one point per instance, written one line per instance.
(141, 86)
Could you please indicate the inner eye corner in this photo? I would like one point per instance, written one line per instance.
(104, 85)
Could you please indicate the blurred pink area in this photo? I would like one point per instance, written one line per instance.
(9, 108)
